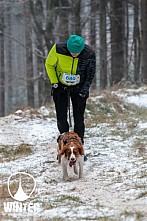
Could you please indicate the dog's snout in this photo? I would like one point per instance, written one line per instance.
(72, 158)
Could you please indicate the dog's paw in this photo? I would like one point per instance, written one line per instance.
(66, 178)
(81, 176)
(83, 179)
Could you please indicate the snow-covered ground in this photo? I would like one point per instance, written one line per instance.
(141, 100)
(138, 96)
(115, 182)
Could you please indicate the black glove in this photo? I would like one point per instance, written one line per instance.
(82, 94)
(54, 86)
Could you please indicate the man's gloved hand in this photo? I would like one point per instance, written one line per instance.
(54, 85)
(82, 94)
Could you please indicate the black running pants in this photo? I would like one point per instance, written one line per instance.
(60, 97)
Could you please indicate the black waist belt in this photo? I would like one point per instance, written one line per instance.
(70, 88)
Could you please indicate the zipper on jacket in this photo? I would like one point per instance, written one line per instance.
(72, 65)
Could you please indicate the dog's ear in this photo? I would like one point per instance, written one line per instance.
(59, 138)
(60, 141)
(81, 149)
(62, 151)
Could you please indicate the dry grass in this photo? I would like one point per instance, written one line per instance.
(4, 192)
(109, 108)
(143, 194)
(137, 216)
(12, 152)
(35, 113)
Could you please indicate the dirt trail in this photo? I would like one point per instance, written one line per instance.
(114, 187)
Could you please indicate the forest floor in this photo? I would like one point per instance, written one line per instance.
(114, 186)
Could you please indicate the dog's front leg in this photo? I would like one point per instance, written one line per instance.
(64, 162)
(75, 169)
(81, 162)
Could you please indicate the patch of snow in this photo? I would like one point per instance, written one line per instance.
(139, 100)
(115, 174)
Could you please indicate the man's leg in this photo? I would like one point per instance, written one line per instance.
(79, 104)
(61, 104)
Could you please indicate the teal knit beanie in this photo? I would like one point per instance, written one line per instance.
(75, 44)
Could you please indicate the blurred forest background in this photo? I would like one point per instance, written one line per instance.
(115, 29)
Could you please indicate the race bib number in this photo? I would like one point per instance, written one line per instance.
(70, 79)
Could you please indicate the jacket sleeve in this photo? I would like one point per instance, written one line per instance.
(91, 68)
(50, 65)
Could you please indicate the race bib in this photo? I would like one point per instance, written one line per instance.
(70, 79)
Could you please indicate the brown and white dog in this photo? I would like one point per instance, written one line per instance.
(70, 152)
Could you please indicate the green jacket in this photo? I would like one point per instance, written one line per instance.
(60, 61)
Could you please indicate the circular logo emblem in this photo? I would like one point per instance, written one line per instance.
(21, 185)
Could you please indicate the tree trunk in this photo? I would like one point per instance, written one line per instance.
(117, 41)
(7, 62)
(136, 38)
(76, 16)
(103, 45)
(126, 38)
(144, 40)
(2, 77)
(85, 21)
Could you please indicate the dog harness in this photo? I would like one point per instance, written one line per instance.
(65, 140)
